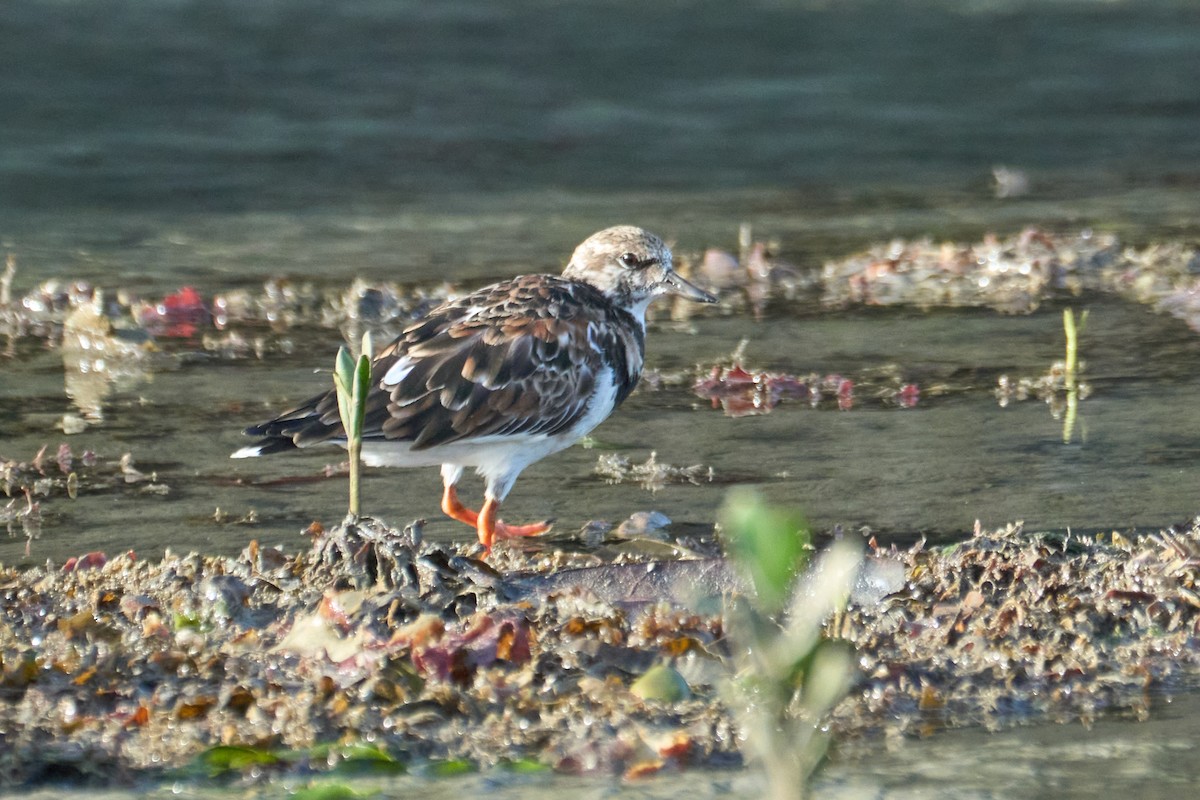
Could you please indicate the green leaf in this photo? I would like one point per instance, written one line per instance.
(365, 752)
(234, 758)
(367, 759)
(771, 544)
(343, 382)
(524, 766)
(827, 675)
(344, 365)
(450, 768)
(366, 352)
(318, 752)
(331, 791)
(362, 386)
(180, 621)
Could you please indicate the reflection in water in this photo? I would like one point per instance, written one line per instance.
(1075, 389)
(98, 360)
(1059, 387)
(741, 394)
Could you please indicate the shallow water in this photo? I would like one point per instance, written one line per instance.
(150, 145)
(1109, 758)
(931, 470)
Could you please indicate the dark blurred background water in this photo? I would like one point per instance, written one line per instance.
(130, 126)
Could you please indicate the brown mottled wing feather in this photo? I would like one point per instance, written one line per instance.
(520, 357)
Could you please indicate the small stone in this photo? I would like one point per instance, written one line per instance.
(661, 683)
(644, 524)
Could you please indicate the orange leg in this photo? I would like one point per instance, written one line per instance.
(455, 510)
(490, 529)
(484, 521)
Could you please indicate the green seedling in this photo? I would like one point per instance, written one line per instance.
(1071, 366)
(352, 380)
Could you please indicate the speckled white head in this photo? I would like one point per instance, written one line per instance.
(631, 267)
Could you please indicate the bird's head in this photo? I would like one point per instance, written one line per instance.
(631, 267)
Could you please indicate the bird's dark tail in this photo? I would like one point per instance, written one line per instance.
(264, 447)
(313, 421)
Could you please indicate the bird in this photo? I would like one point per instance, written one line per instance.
(504, 376)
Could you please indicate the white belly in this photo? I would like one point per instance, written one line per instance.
(499, 459)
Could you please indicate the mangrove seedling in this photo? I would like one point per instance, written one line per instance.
(789, 672)
(352, 380)
(1071, 366)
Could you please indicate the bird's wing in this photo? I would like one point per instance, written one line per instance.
(520, 357)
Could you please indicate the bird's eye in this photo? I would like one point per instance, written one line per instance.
(629, 260)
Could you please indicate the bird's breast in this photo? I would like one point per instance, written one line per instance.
(606, 395)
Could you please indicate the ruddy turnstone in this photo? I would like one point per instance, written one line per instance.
(504, 376)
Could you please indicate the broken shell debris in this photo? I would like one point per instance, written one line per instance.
(652, 474)
(1013, 274)
(129, 667)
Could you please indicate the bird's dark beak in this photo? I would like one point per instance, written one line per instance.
(679, 286)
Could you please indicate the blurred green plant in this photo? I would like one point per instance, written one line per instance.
(224, 759)
(788, 673)
(352, 380)
(332, 791)
(449, 768)
(334, 759)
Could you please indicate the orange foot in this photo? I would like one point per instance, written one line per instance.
(485, 522)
